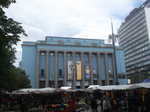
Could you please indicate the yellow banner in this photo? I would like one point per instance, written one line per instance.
(70, 70)
(79, 71)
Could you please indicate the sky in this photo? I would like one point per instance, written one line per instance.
(69, 18)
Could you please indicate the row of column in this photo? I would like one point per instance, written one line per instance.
(65, 69)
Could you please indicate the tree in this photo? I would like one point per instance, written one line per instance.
(10, 32)
(6, 3)
(21, 78)
(16, 80)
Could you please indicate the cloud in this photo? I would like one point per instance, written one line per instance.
(73, 18)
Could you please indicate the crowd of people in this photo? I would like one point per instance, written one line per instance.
(78, 101)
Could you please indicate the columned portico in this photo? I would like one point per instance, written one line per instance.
(74, 81)
(37, 67)
(106, 68)
(99, 80)
(82, 72)
(74, 72)
(91, 68)
(56, 69)
(65, 69)
(46, 69)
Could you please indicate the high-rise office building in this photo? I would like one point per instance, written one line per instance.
(76, 62)
(134, 38)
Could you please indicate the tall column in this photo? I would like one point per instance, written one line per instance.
(99, 81)
(74, 71)
(65, 69)
(46, 69)
(106, 69)
(37, 68)
(82, 72)
(113, 70)
(56, 69)
(91, 68)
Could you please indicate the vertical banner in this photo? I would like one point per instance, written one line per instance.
(78, 70)
(94, 73)
(87, 72)
(70, 70)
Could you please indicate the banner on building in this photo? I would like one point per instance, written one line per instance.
(78, 70)
(70, 70)
(87, 72)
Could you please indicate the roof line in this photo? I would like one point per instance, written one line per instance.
(71, 38)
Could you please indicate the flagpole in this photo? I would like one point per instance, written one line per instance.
(114, 56)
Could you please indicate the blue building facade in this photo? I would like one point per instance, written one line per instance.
(76, 62)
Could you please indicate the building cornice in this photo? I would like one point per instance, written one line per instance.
(45, 44)
(77, 46)
(71, 38)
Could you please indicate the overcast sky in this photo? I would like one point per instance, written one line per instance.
(70, 18)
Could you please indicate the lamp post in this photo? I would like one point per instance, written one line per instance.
(114, 56)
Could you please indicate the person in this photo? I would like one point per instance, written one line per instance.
(94, 105)
(106, 104)
(114, 105)
(99, 105)
(147, 102)
(123, 104)
(72, 104)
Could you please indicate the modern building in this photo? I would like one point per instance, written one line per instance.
(76, 62)
(134, 38)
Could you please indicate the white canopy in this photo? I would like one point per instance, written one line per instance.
(91, 87)
(65, 87)
(112, 87)
(144, 85)
(120, 87)
(31, 90)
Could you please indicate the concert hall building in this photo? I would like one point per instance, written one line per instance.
(65, 61)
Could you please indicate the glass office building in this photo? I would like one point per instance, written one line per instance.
(134, 38)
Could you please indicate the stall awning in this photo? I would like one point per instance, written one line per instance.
(120, 87)
(31, 90)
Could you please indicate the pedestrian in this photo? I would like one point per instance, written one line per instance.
(114, 104)
(99, 105)
(94, 104)
(106, 104)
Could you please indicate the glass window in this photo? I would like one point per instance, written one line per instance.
(60, 73)
(42, 76)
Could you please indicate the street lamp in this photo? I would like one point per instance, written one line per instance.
(113, 37)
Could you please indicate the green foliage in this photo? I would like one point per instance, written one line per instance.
(21, 79)
(15, 79)
(10, 32)
(6, 3)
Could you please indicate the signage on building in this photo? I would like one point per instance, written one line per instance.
(87, 72)
(78, 69)
(70, 70)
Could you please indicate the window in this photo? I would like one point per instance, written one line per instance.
(51, 54)
(60, 73)
(42, 53)
(77, 43)
(42, 74)
(94, 44)
(61, 42)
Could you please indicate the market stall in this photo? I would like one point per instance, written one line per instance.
(66, 99)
